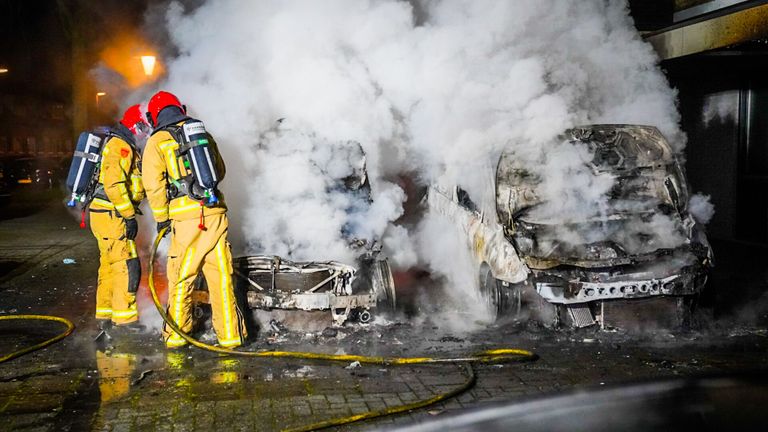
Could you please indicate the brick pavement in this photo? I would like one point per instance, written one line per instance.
(270, 395)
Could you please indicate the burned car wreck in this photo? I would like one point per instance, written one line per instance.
(576, 270)
(348, 292)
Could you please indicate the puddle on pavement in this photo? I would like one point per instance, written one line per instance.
(8, 266)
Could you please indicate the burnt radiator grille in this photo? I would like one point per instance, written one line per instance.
(291, 282)
(581, 315)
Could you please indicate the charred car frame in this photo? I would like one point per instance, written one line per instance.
(347, 291)
(522, 261)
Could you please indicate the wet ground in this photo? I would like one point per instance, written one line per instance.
(133, 383)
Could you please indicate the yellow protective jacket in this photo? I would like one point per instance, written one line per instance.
(161, 164)
(120, 176)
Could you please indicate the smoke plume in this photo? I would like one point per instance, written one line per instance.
(701, 208)
(434, 87)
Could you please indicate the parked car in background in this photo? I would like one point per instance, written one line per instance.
(523, 266)
(42, 173)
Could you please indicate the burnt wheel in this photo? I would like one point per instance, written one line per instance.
(383, 285)
(493, 293)
(364, 317)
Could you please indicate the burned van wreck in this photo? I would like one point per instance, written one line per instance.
(640, 243)
(348, 292)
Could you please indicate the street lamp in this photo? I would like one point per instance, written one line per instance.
(148, 63)
(98, 95)
(3, 70)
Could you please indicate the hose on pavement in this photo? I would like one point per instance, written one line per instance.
(60, 336)
(489, 356)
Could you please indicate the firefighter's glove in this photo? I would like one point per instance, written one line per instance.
(131, 228)
(162, 225)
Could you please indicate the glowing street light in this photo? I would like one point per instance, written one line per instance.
(148, 63)
(98, 95)
(3, 70)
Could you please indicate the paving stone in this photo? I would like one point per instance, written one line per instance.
(376, 405)
(393, 401)
(120, 426)
(335, 398)
(358, 409)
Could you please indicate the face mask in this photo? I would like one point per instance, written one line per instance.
(141, 131)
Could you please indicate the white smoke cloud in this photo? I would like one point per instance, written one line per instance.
(722, 106)
(450, 258)
(441, 97)
(701, 208)
(575, 193)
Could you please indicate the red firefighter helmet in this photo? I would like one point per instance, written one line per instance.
(133, 120)
(160, 100)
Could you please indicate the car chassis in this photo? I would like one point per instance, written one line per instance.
(271, 282)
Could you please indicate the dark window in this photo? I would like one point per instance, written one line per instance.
(464, 200)
(57, 112)
(757, 132)
(752, 207)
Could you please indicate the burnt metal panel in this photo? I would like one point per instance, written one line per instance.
(718, 32)
(687, 9)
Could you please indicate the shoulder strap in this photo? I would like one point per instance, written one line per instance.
(175, 131)
(92, 157)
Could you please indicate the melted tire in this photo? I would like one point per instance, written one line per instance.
(494, 294)
(383, 284)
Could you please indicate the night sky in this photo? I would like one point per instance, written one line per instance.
(36, 42)
(36, 36)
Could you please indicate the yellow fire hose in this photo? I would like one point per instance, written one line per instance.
(43, 344)
(489, 356)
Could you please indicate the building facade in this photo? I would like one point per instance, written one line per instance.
(715, 54)
(34, 126)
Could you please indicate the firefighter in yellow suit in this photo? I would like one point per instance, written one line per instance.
(198, 230)
(113, 222)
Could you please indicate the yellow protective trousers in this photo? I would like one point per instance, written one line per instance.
(194, 250)
(119, 268)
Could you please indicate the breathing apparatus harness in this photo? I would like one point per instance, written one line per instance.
(83, 178)
(199, 158)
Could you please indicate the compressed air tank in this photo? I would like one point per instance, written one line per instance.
(84, 163)
(201, 158)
